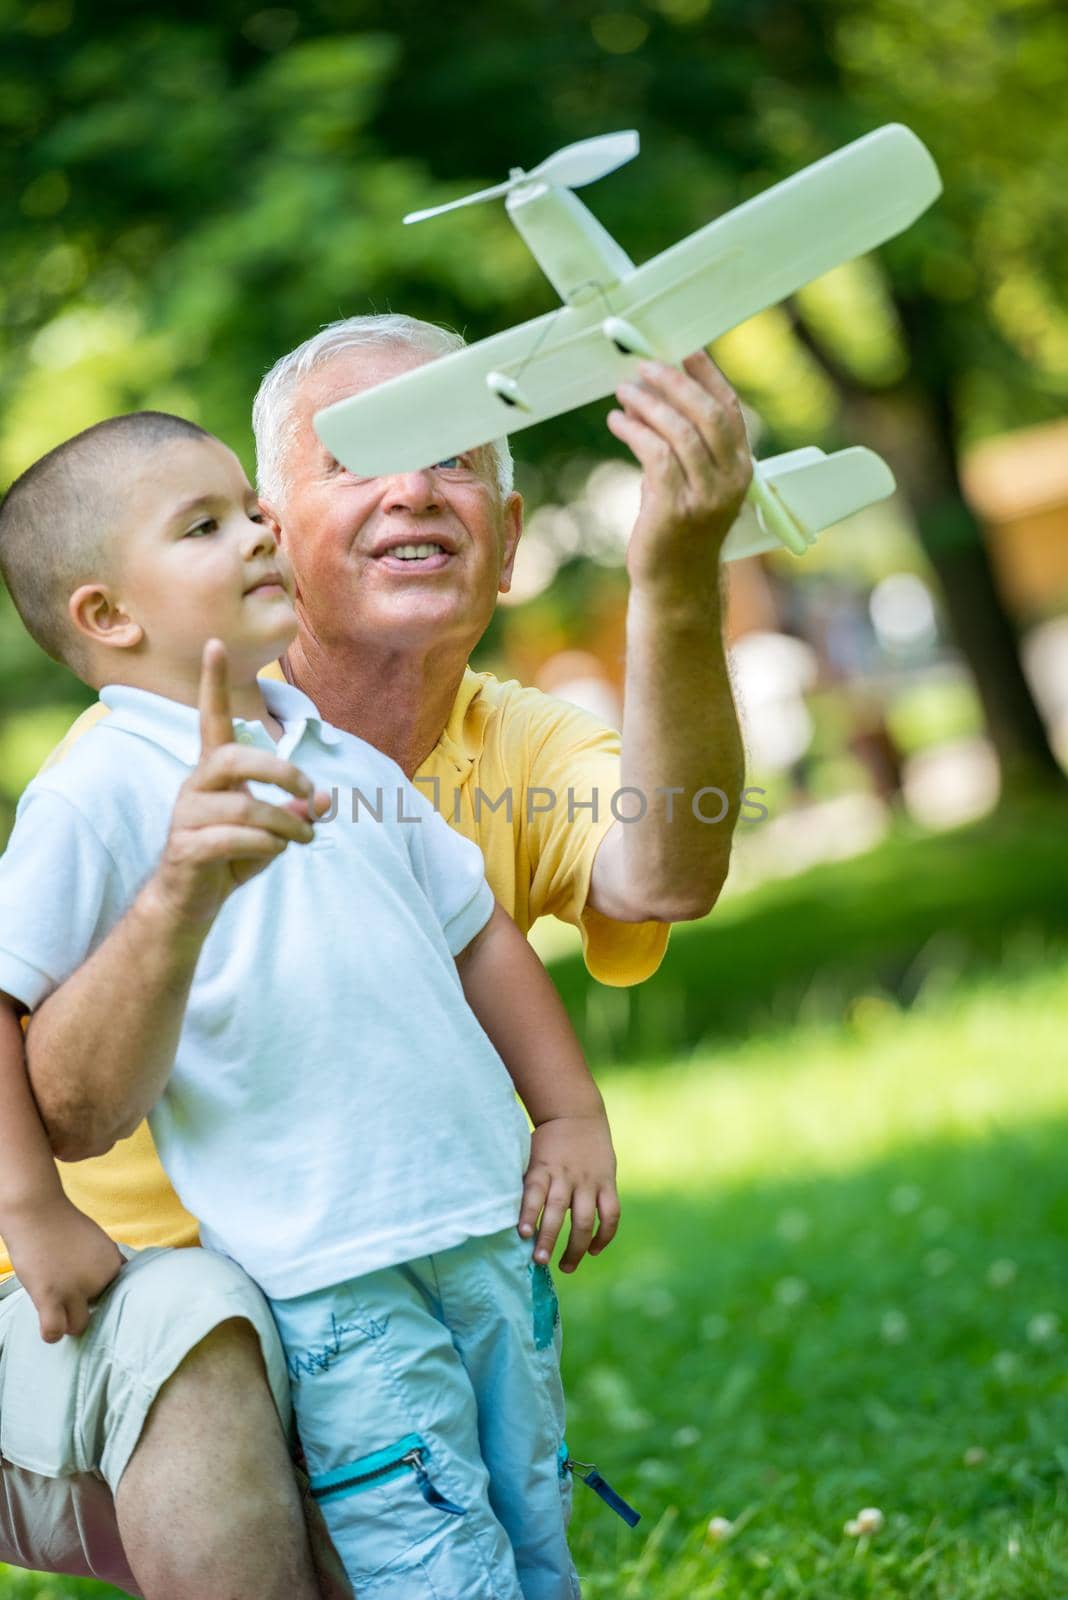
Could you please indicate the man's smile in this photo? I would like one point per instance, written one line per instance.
(402, 552)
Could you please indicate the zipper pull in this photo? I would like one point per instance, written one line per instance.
(432, 1496)
(593, 1480)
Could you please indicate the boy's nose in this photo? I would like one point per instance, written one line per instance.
(259, 539)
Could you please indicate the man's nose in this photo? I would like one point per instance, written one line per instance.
(411, 491)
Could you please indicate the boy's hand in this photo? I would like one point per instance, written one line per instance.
(572, 1164)
(221, 836)
(63, 1260)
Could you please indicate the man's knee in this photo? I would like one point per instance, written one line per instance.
(217, 1401)
(228, 1355)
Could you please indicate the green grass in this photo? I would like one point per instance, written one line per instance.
(917, 910)
(840, 1282)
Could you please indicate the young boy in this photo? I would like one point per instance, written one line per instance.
(337, 1114)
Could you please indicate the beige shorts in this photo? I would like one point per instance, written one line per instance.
(71, 1413)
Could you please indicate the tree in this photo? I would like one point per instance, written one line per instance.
(197, 187)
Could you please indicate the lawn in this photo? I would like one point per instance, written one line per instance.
(840, 1284)
(840, 1280)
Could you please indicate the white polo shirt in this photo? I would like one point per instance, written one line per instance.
(335, 1106)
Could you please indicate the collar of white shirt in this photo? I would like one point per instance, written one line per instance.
(176, 727)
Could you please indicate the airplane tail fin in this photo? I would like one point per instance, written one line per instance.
(816, 490)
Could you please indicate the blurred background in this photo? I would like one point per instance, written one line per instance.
(839, 1104)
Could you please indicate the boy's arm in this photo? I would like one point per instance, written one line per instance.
(101, 1047)
(572, 1162)
(62, 1258)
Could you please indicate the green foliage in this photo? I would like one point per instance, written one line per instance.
(193, 189)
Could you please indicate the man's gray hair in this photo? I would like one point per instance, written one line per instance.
(273, 412)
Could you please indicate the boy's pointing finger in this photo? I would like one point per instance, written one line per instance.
(216, 724)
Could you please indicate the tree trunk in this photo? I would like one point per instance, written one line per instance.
(914, 427)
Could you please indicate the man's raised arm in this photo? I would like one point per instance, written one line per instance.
(680, 729)
(101, 1047)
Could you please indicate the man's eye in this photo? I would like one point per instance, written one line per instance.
(450, 463)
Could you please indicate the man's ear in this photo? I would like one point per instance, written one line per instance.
(512, 523)
(93, 611)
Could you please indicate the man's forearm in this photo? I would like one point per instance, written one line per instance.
(100, 1049)
(28, 1176)
(680, 733)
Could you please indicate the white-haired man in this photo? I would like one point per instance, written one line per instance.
(396, 582)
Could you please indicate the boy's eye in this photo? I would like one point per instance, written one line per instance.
(206, 525)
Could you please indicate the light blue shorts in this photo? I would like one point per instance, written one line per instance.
(429, 1404)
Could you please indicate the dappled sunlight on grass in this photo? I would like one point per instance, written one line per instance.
(831, 1098)
(839, 1283)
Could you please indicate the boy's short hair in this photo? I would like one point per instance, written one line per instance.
(55, 521)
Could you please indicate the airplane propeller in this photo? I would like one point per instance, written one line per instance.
(570, 168)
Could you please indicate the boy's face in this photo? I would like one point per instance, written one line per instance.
(196, 561)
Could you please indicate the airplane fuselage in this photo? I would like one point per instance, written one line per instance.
(580, 258)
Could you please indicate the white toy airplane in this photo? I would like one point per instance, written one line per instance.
(613, 312)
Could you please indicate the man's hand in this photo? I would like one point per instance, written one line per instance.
(572, 1165)
(64, 1261)
(686, 429)
(220, 835)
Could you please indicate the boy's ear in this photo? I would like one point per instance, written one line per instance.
(94, 613)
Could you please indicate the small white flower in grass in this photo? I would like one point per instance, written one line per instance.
(1006, 1364)
(719, 1529)
(1045, 1328)
(936, 1263)
(659, 1302)
(894, 1327)
(935, 1221)
(1001, 1274)
(905, 1199)
(684, 1437)
(791, 1291)
(793, 1226)
(866, 1522)
(974, 1456)
(1012, 1548)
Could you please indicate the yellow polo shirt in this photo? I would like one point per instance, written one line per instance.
(530, 779)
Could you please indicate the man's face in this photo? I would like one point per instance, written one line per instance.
(359, 546)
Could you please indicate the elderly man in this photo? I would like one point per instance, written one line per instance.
(168, 1473)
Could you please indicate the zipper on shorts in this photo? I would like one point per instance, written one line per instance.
(408, 1454)
(593, 1480)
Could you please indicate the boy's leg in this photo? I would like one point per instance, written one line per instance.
(503, 1315)
(388, 1422)
(167, 1338)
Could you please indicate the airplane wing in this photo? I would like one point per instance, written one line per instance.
(684, 298)
(817, 489)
